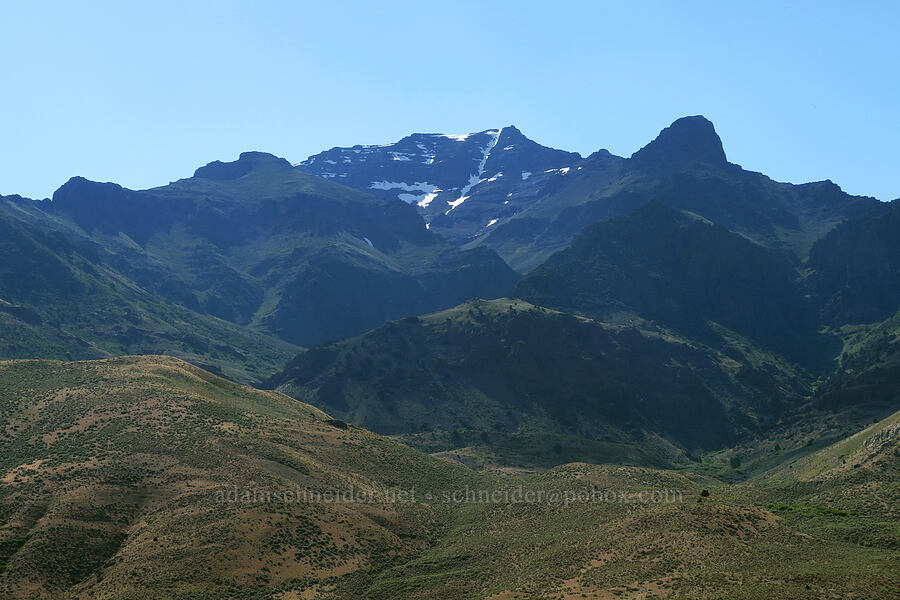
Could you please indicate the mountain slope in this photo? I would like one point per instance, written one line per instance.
(855, 269)
(272, 252)
(869, 368)
(149, 478)
(254, 247)
(253, 238)
(685, 274)
(530, 386)
(499, 189)
(684, 168)
(61, 298)
(462, 184)
(117, 471)
(873, 452)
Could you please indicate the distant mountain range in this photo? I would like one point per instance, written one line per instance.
(759, 287)
(254, 249)
(499, 189)
(505, 313)
(763, 282)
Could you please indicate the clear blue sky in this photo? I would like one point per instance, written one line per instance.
(142, 95)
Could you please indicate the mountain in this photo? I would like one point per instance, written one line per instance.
(685, 144)
(262, 252)
(853, 275)
(868, 374)
(680, 271)
(303, 258)
(518, 384)
(684, 168)
(462, 184)
(254, 248)
(856, 268)
(725, 346)
(654, 337)
(869, 455)
(685, 273)
(499, 189)
(61, 296)
(146, 477)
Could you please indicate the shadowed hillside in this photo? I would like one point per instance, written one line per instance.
(536, 386)
(686, 274)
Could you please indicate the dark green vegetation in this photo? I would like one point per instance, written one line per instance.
(527, 386)
(114, 474)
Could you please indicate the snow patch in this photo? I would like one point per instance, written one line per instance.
(369, 242)
(427, 198)
(476, 178)
(455, 137)
(491, 222)
(456, 203)
(429, 191)
(561, 171)
(422, 200)
(526, 175)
